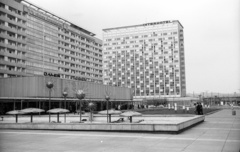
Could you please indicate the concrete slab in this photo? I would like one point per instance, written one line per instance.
(231, 146)
(200, 145)
(207, 136)
(150, 124)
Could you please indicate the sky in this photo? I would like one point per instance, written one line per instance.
(211, 32)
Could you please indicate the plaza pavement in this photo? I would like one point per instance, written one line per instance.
(220, 132)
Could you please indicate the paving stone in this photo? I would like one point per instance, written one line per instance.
(218, 134)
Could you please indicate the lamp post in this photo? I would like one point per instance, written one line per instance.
(107, 98)
(91, 106)
(132, 94)
(49, 86)
(215, 100)
(65, 104)
(80, 94)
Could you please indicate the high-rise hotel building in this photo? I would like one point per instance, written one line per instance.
(149, 58)
(34, 41)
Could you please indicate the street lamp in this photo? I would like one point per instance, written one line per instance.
(91, 106)
(132, 94)
(49, 86)
(215, 100)
(65, 104)
(80, 94)
(107, 98)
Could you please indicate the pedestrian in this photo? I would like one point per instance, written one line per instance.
(198, 108)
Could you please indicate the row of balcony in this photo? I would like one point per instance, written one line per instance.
(78, 49)
(13, 21)
(80, 39)
(77, 69)
(13, 14)
(14, 47)
(14, 29)
(14, 39)
(74, 56)
(13, 55)
(15, 73)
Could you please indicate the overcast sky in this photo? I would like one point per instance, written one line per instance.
(211, 32)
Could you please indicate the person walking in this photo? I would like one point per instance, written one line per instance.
(198, 108)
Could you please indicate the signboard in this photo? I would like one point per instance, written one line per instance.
(80, 78)
(51, 74)
(154, 23)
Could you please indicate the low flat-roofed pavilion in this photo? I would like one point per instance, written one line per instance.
(20, 92)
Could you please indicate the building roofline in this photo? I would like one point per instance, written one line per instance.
(122, 27)
(59, 99)
(61, 18)
(179, 23)
(152, 23)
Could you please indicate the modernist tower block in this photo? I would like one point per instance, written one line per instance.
(149, 58)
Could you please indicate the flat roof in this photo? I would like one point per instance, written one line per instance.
(60, 99)
(34, 87)
(46, 11)
(145, 24)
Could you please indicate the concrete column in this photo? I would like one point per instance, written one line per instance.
(44, 105)
(5, 58)
(21, 104)
(39, 104)
(6, 7)
(76, 106)
(101, 105)
(14, 104)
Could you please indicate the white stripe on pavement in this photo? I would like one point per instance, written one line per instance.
(118, 135)
(229, 129)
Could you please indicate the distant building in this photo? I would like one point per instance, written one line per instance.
(34, 41)
(149, 58)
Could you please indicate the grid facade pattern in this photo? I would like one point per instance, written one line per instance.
(34, 41)
(148, 58)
